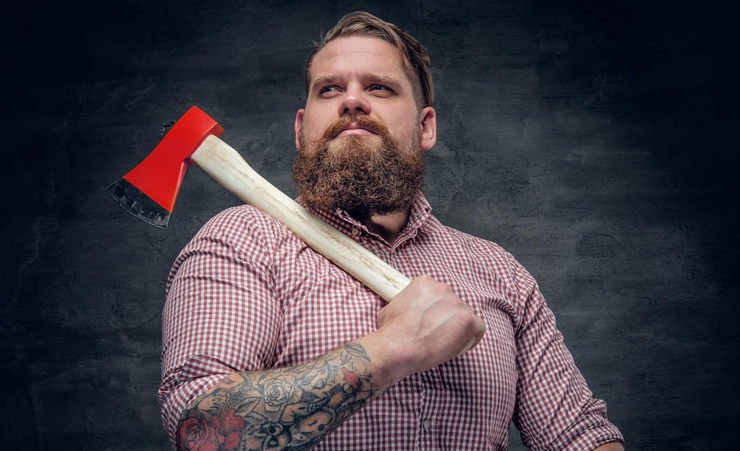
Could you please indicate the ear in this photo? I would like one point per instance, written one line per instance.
(298, 125)
(428, 127)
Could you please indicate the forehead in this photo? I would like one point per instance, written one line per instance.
(358, 54)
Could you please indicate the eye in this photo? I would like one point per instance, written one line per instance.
(328, 89)
(379, 90)
(377, 87)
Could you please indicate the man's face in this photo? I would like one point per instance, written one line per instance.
(360, 111)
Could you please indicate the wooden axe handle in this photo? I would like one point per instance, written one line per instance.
(227, 167)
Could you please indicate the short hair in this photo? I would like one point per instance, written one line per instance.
(414, 55)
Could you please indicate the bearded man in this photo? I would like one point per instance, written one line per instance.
(267, 345)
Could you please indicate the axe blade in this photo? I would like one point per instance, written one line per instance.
(134, 201)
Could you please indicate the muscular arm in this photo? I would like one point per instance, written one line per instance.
(294, 408)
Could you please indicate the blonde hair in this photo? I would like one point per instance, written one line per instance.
(415, 57)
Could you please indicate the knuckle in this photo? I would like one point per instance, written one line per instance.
(442, 288)
(469, 321)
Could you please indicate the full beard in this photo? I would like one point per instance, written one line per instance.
(359, 174)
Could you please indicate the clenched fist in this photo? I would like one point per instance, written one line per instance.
(425, 325)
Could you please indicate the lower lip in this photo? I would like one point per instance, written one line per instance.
(355, 131)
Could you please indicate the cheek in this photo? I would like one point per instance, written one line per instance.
(403, 121)
(407, 134)
(313, 127)
(318, 113)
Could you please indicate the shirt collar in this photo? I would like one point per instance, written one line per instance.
(342, 221)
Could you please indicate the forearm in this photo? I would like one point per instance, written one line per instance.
(292, 407)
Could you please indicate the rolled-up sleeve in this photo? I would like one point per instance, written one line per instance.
(221, 314)
(555, 410)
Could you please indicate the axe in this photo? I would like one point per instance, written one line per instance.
(150, 189)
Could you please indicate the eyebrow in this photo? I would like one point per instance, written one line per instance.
(366, 77)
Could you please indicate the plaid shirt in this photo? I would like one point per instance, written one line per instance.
(247, 295)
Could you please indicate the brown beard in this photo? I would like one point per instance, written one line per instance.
(358, 174)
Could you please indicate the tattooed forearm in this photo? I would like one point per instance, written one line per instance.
(286, 408)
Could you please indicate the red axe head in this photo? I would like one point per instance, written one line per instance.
(150, 189)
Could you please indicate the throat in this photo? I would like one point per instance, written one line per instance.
(387, 226)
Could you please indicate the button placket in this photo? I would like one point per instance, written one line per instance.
(431, 385)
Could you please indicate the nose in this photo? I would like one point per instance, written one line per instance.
(354, 101)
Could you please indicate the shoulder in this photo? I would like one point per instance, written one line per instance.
(243, 227)
(241, 235)
(236, 219)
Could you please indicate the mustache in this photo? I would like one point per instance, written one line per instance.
(373, 125)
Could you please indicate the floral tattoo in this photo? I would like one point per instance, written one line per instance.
(285, 408)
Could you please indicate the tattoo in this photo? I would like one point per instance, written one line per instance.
(285, 408)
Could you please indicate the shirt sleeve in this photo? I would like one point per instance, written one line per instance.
(221, 314)
(555, 410)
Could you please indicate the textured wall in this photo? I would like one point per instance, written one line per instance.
(596, 141)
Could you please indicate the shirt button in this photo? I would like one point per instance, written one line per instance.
(427, 425)
(355, 232)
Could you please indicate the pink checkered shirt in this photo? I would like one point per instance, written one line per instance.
(247, 295)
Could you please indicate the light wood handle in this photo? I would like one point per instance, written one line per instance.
(227, 167)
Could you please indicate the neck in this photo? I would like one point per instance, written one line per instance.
(388, 226)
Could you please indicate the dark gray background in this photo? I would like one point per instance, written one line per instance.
(596, 141)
